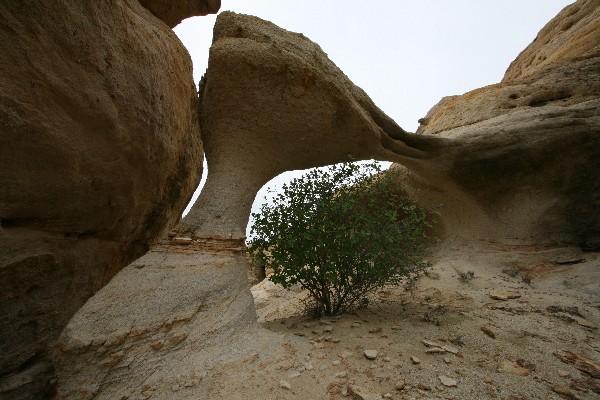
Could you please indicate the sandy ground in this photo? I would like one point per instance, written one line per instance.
(524, 327)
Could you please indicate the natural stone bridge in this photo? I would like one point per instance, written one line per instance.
(110, 166)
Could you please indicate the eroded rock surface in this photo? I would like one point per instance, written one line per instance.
(100, 150)
(272, 102)
(522, 168)
(172, 12)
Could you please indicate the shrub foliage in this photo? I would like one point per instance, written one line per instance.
(340, 232)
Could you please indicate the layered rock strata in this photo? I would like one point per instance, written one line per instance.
(100, 150)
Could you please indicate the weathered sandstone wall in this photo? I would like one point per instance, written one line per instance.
(100, 150)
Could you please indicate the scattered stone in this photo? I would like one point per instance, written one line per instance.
(563, 373)
(488, 331)
(355, 324)
(328, 329)
(581, 362)
(525, 364)
(285, 385)
(371, 354)
(424, 386)
(387, 396)
(396, 328)
(341, 374)
(293, 374)
(564, 392)
(375, 330)
(450, 349)
(335, 340)
(447, 381)
(415, 360)
(447, 360)
(359, 393)
(182, 240)
(400, 385)
(336, 363)
(387, 359)
(487, 380)
(509, 367)
(430, 343)
(504, 295)
(308, 366)
(434, 350)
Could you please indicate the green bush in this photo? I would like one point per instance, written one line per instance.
(340, 232)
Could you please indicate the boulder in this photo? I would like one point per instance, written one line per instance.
(100, 151)
(520, 168)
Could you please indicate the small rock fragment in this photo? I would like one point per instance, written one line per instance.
(336, 362)
(387, 359)
(447, 381)
(375, 330)
(430, 343)
(509, 367)
(400, 385)
(450, 349)
(564, 392)
(293, 374)
(342, 374)
(328, 329)
(504, 295)
(415, 360)
(182, 240)
(371, 354)
(424, 386)
(488, 331)
(285, 385)
(387, 396)
(563, 373)
(434, 350)
(487, 380)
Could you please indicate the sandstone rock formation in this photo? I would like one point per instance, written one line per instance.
(173, 12)
(100, 150)
(271, 101)
(526, 151)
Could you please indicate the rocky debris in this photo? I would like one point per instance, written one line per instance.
(415, 360)
(447, 381)
(400, 385)
(504, 295)
(581, 362)
(285, 385)
(111, 158)
(510, 367)
(565, 392)
(359, 393)
(370, 354)
(435, 347)
(424, 386)
(173, 12)
(488, 331)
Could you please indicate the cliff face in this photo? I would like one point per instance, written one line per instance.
(521, 168)
(100, 150)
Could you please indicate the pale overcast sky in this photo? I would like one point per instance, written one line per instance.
(406, 54)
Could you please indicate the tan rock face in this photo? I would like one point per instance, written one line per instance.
(272, 102)
(523, 150)
(99, 151)
(172, 12)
